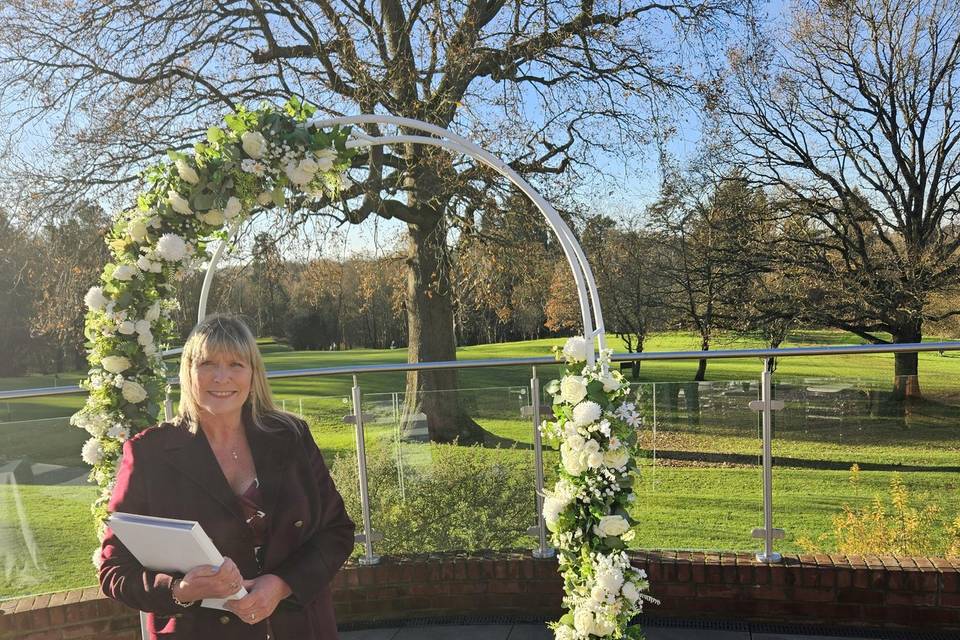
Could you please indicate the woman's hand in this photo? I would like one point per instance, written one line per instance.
(263, 595)
(207, 581)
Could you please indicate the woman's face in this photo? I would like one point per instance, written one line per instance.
(222, 383)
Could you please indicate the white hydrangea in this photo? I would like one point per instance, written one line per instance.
(171, 247)
(630, 592)
(92, 453)
(118, 432)
(95, 300)
(564, 632)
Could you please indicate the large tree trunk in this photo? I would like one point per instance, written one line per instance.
(432, 338)
(906, 381)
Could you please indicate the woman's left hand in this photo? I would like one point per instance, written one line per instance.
(263, 595)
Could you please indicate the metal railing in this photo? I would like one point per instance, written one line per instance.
(765, 406)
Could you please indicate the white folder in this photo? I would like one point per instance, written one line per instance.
(167, 544)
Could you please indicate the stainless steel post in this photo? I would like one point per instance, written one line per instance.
(543, 551)
(767, 406)
(369, 556)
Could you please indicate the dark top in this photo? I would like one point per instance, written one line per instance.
(304, 537)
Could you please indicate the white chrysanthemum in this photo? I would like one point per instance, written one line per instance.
(612, 526)
(186, 171)
(576, 349)
(137, 229)
(253, 143)
(95, 300)
(586, 413)
(115, 364)
(92, 454)
(171, 247)
(133, 391)
(573, 389)
(179, 203)
(233, 208)
(610, 580)
(124, 272)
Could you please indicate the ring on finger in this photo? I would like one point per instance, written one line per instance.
(253, 616)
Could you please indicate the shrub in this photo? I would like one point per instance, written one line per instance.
(466, 498)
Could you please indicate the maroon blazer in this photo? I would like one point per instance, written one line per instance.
(167, 471)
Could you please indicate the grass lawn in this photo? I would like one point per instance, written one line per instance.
(710, 502)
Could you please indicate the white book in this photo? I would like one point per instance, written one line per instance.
(170, 545)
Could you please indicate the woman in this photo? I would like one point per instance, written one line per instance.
(255, 480)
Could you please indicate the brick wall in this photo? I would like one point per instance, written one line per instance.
(881, 591)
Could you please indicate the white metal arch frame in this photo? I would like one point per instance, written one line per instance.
(591, 315)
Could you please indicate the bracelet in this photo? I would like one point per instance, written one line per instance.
(177, 602)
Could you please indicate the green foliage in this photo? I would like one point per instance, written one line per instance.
(465, 498)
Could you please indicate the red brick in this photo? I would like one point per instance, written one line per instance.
(718, 591)
(861, 578)
(950, 581)
(844, 578)
(911, 599)
(699, 573)
(684, 573)
(810, 594)
(951, 600)
(862, 596)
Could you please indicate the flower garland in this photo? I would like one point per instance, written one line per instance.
(260, 158)
(587, 511)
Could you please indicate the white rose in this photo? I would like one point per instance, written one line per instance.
(186, 171)
(92, 454)
(583, 622)
(133, 391)
(612, 526)
(325, 159)
(552, 506)
(573, 462)
(124, 272)
(214, 218)
(145, 338)
(576, 349)
(616, 458)
(254, 144)
(95, 300)
(594, 460)
(297, 176)
(561, 633)
(573, 389)
(138, 230)
(126, 328)
(308, 165)
(149, 349)
(153, 313)
(115, 364)
(142, 326)
(179, 203)
(630, 592)
(603, 626)
(265, 198)
(233, 208)
(171, 247)
(610, 382)
(598, 595)
(586, 413)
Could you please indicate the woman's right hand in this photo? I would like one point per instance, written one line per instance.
(207, 581)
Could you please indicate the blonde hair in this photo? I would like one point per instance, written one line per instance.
(221, 333)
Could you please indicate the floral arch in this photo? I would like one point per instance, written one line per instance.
(259, 159)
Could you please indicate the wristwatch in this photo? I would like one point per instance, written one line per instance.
(173, 586)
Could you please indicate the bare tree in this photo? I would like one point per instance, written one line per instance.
(851, 117)
(548, 85)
